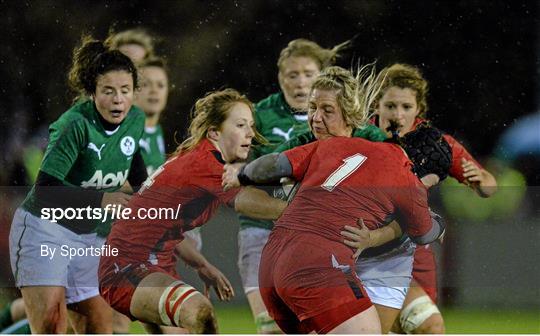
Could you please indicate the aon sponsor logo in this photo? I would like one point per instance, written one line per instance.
(99, 181)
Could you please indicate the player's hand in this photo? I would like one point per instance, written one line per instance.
(229, 179)
(358, 237)
(115, 198)
(212, 277)
(471, 172)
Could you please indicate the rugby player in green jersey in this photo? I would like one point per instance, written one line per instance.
(93, 150)
(152, 98)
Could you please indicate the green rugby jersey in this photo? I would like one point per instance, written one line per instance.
(82, 153)
(152, 148)
(368, 132)
(278, 123)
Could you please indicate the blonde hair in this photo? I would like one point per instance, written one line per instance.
(406, 76)
(137, 36)
(354, 94)
(211, 111)
(303, 47)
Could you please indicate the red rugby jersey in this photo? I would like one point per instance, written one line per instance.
(343, 179)
(191, 180)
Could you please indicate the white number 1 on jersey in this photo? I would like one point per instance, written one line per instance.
(349, 166)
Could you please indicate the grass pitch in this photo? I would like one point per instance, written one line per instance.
(238, 320)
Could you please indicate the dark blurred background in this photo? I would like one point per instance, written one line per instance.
(481, 59)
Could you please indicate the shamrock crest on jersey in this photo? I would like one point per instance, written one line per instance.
(127, 145)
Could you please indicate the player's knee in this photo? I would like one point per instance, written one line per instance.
(183, 306)
(433, 325)
(48, 322)
(120, 323)
(17, 310)
(266, 325)
(100, 322)
(418, 312)
(205, 321)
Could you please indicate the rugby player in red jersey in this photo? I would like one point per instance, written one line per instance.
(141, 281)
(403, 99)
(307, 276)
(338, 96)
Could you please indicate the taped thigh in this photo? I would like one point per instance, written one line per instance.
(416, 312)
(172, 299)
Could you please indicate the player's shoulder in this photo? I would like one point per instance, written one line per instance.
(203, 156)
(377, 150)
(370, 132)
(135, 115)
(271, 103)
(76, 116)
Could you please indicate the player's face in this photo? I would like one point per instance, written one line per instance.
(134, 51)
(400, 105)
(325, 117)
(114, 95)
(152, 96)
(296, 76)
(236, 132)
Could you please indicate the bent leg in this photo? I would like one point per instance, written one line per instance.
(97, 313)
(251, 241)
(419, 314)
(387, 317)
(366, 322)
(46, 309)
(265, 324)
(161, 299)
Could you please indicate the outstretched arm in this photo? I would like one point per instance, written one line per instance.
(257, 203)
(211, 276)
(266, 169)
(479, 179)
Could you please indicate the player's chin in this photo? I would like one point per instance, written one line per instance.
(117, 117)
(321, 135)
(242, 154)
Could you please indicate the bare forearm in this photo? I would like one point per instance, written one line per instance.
(256, 203)
(487, 185)
(385, 234)
(189, 254)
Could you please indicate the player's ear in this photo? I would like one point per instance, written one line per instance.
(213, 133)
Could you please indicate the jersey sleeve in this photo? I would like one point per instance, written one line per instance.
(65, 143)
(412, 207)
(458, 152)
(300, 157)
(211, 182)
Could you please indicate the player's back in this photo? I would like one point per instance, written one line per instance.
(344, 179)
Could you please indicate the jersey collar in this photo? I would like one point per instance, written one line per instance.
(206, 145)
